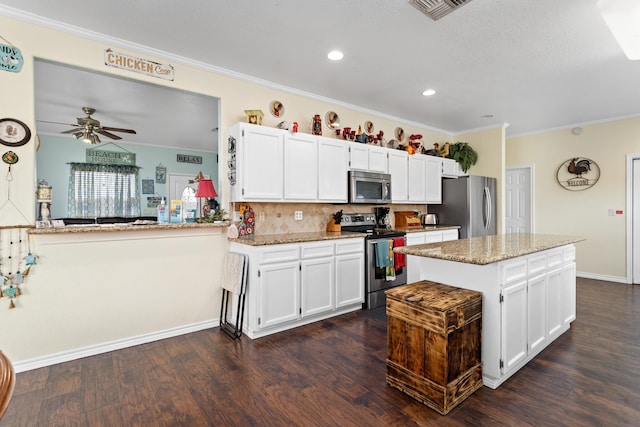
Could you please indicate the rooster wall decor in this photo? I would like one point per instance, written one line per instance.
(578, 173)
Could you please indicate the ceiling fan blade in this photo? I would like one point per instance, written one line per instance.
(57, 123)
(118, 129)
(101, 131)
(70, 131)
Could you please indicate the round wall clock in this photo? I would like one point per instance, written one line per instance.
(578, 173)
(14, 133)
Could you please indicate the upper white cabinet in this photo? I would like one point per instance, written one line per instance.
(358, 156)
(434, 180)
(398, 163)
(300, 167)
(452, 169)
(368, 157)
(268, 164)
(378, 159)
(258, 161)
(417, 178)
(333, 164)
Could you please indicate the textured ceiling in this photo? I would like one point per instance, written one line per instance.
(536, 65)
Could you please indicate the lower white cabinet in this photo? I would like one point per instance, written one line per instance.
(297, 283)
(279, 293)
(537, 304)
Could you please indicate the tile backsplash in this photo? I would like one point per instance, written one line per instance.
(279, 218)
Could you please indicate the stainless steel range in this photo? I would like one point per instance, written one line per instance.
(376, 279)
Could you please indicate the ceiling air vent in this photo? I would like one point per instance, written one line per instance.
(436, 9)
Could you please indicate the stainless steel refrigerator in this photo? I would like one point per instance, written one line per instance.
(469, 202)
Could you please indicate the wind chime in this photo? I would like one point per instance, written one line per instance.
(16, 261)
(16, 258)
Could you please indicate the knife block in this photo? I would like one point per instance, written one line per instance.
(332, 227)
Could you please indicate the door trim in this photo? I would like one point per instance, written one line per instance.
(629, 261)
(532, 193)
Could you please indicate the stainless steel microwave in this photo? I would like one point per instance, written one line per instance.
(369, 187)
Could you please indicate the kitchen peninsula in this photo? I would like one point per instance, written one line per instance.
(528, 283)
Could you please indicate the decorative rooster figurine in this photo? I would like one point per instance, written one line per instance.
(582, 166)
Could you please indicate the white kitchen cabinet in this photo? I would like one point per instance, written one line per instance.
(349, 273)
(370, 158)
(378, 159)
(537, 311)
(554, 315)
(397, 166)
(318, 285)
(300, 167)
(333, 165)
(349, 279)
(294, 284)
(514, 326)
(358, 156)
(279, 287)
(568, 294)
(452, 169)
(417, 178)
(433, 186)
(259, 163)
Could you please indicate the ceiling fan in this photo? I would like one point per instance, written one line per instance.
(88, 127)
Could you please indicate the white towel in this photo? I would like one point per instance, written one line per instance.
(234, 268)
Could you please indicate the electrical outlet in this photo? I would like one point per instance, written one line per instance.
(298, 215)
(237, 216)
(261, 216)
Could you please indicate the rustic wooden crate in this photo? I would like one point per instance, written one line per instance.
(434, 343)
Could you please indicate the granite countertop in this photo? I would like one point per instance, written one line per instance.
(89, 228)
(490, 249)
(278, 239)
(427, 228)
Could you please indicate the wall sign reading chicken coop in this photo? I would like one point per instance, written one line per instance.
(578, 173)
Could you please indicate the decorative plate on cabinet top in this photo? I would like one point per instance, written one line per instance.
(399, 132)
(368, 127)
(332, 120)
(276, 108)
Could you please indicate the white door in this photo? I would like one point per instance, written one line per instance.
(519, 200)
(635, 226)
(177, 183)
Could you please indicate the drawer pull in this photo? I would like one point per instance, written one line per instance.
(408, 298)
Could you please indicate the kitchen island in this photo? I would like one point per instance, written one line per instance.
(528, 285)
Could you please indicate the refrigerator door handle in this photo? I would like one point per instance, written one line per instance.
(486, 200)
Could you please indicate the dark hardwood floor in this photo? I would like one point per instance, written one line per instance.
(332, 373)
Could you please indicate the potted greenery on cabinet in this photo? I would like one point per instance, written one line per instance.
(464, 154)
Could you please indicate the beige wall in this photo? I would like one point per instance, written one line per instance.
(585, 212)
(86, 294)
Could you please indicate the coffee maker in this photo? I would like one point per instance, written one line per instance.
(382, 219)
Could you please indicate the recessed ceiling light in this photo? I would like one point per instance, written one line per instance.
(429, 92)
(335, 55)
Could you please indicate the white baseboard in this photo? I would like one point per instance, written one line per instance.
(616, 279)
(66, 356)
